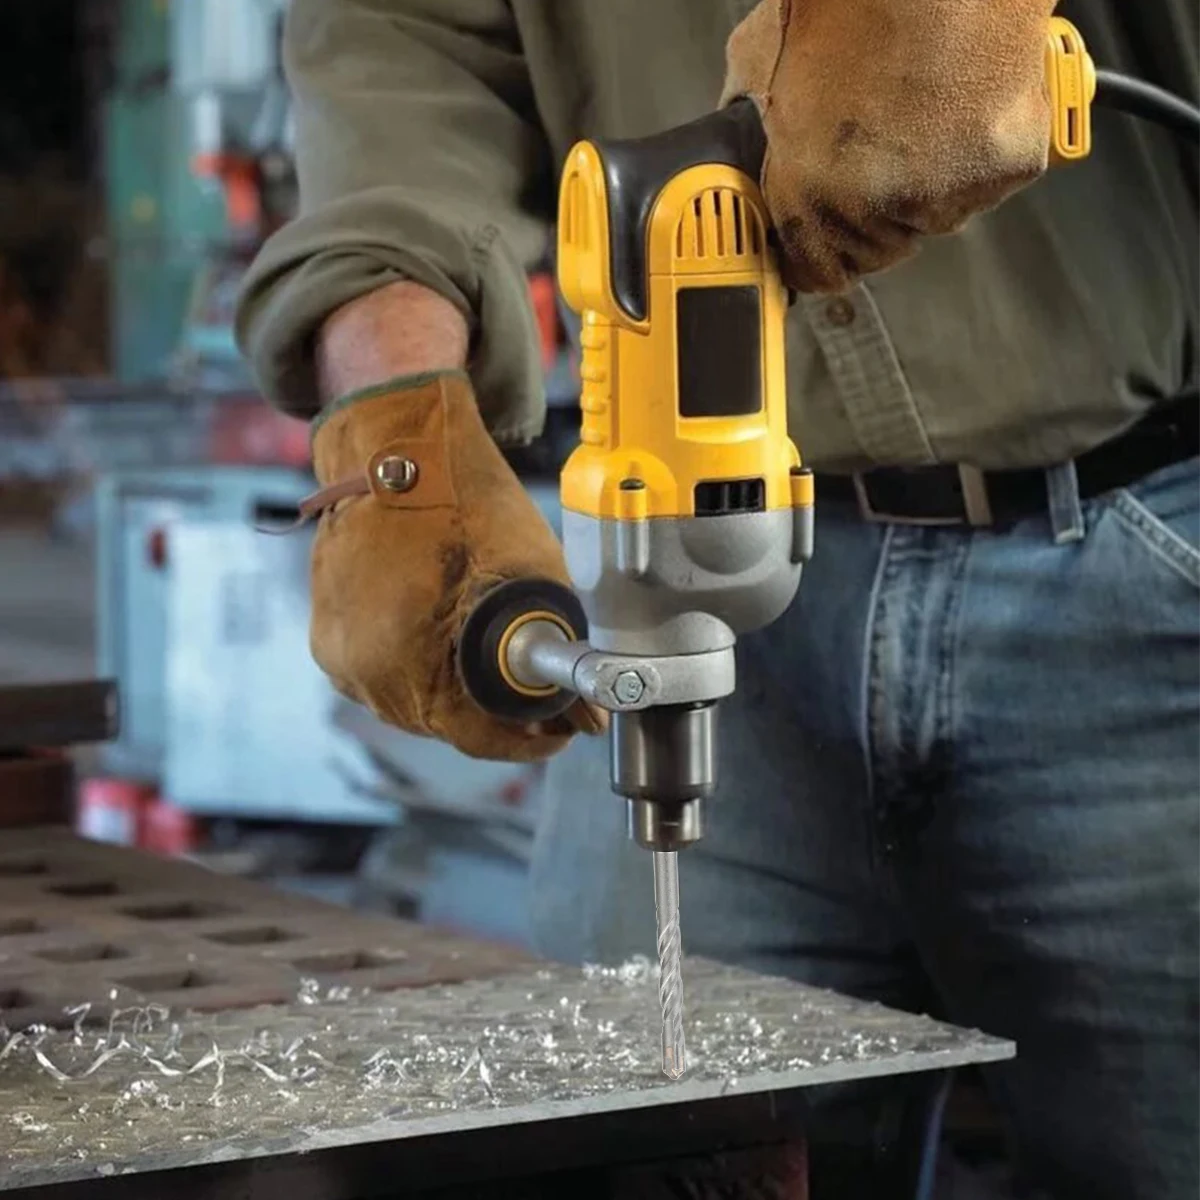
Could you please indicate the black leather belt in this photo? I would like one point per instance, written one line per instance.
(965, 495)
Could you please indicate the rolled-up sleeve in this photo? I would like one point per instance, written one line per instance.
(420, 157)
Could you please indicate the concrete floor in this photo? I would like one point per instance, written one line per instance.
(47, 606)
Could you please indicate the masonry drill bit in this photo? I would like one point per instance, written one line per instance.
(670, 961)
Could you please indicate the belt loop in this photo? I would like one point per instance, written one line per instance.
(1066, 511)
(976, 502)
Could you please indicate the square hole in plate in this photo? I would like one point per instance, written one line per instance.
(339, 962)
(175, 910)
(22, 867)
(99, 952)
(85, 889)
(262, 935)
(167, 981)
(18, 926)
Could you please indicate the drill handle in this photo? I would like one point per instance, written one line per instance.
(499, 633)
(634, 172)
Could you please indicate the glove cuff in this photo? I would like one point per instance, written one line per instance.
(390, 387)
(394, 442)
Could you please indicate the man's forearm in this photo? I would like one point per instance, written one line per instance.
(400, 329)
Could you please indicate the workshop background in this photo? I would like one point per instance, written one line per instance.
(145, 153)
(157, 692)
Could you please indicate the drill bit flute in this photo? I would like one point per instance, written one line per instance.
(670, 961)
(687, 515)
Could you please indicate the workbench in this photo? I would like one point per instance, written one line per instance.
(170, 1031)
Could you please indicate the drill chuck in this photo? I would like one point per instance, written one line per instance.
(664, 763)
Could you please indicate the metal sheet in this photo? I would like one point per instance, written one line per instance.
(337, 1085)
(82, 922)
(542, 1054)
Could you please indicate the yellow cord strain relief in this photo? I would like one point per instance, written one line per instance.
(1071, 87)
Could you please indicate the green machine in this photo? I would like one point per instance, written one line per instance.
(198, 172)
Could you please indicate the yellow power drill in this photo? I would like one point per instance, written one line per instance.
(687, 513)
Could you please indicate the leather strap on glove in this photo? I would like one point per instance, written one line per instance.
(420, 516)
(888, 120)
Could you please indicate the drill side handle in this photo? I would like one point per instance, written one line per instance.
(494, 663)
(523, 655)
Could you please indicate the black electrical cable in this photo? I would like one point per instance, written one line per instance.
(1141, 99)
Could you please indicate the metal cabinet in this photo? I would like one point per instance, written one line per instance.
(138, 512)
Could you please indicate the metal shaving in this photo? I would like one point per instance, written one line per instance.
(150, 1084)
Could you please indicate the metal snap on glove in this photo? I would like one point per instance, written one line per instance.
(420, 516)
(889, 120)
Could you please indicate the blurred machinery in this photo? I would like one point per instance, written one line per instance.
(174, 463)
(198, 171)
(141, 518)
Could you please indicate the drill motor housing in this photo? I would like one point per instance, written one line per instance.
(687, 514)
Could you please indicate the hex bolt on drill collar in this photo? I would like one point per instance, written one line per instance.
(629, 687)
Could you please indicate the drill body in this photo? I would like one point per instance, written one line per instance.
(687, 515)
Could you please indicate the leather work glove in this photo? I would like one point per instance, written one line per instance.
(421, 515)
(888, 120)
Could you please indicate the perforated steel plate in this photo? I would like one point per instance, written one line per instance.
(342, 1090)
(83, 921)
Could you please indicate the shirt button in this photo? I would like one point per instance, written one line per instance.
(840, 312)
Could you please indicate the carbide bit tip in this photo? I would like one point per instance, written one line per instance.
(670, 962)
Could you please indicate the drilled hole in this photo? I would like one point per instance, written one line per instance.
(15, 998)
(83, 954)
(86, 889)
(17, 926)
(263, 936)
(339, 962)
(22, 866)
(175, 910)
(168, 981)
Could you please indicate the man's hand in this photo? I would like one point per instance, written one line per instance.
(396, 570)
(888, 120)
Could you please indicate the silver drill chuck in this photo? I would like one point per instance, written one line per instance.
(664, 764)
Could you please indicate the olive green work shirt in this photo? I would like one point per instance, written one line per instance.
(429, 138)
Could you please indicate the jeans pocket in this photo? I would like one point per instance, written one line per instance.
(1163, 513)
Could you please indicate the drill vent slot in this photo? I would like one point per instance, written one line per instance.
(575, 224)
(722, 497)
(718, 224)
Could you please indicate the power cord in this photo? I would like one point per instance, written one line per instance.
(1141, 99)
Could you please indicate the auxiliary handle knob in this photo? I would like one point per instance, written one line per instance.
(483, 660)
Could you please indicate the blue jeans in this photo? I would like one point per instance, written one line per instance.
(969, 760)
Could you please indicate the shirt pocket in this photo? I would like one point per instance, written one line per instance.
(1162, 512)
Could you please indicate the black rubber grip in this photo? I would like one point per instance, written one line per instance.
(636, 170)
(481, 636)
